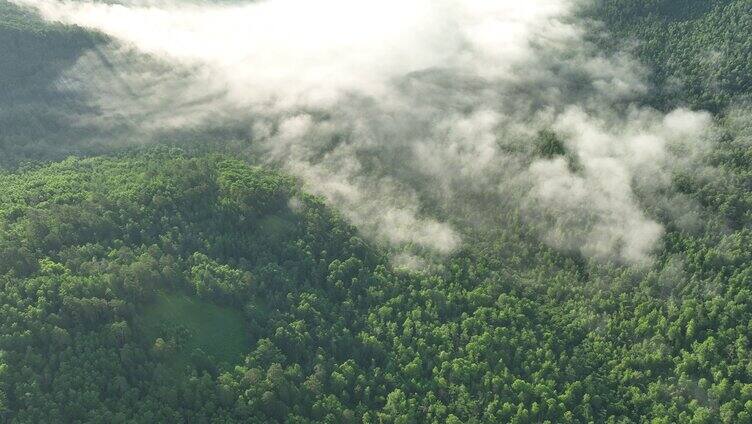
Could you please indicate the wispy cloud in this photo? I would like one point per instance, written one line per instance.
(394, 110)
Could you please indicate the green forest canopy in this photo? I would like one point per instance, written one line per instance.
(94, 250)
(161, 285)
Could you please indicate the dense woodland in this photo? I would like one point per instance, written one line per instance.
(699, 51)
(166, 284)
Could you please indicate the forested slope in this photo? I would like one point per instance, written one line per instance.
(94, 250)
(36, 110)
(160, 285)
(699, 51)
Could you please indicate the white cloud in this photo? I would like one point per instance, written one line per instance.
(308, 53)
(393, 108)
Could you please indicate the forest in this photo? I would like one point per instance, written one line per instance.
(181, 279)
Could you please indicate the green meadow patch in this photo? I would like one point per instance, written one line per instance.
(189, 329)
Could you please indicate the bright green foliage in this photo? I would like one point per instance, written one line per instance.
(163, 287)
(160, 286)
(94, 256)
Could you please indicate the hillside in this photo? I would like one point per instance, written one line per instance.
(499, 334)
(460, 252)
(699, 50)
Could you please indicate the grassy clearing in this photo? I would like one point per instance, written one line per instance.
(186, 323)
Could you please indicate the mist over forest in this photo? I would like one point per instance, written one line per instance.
(460, 211)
